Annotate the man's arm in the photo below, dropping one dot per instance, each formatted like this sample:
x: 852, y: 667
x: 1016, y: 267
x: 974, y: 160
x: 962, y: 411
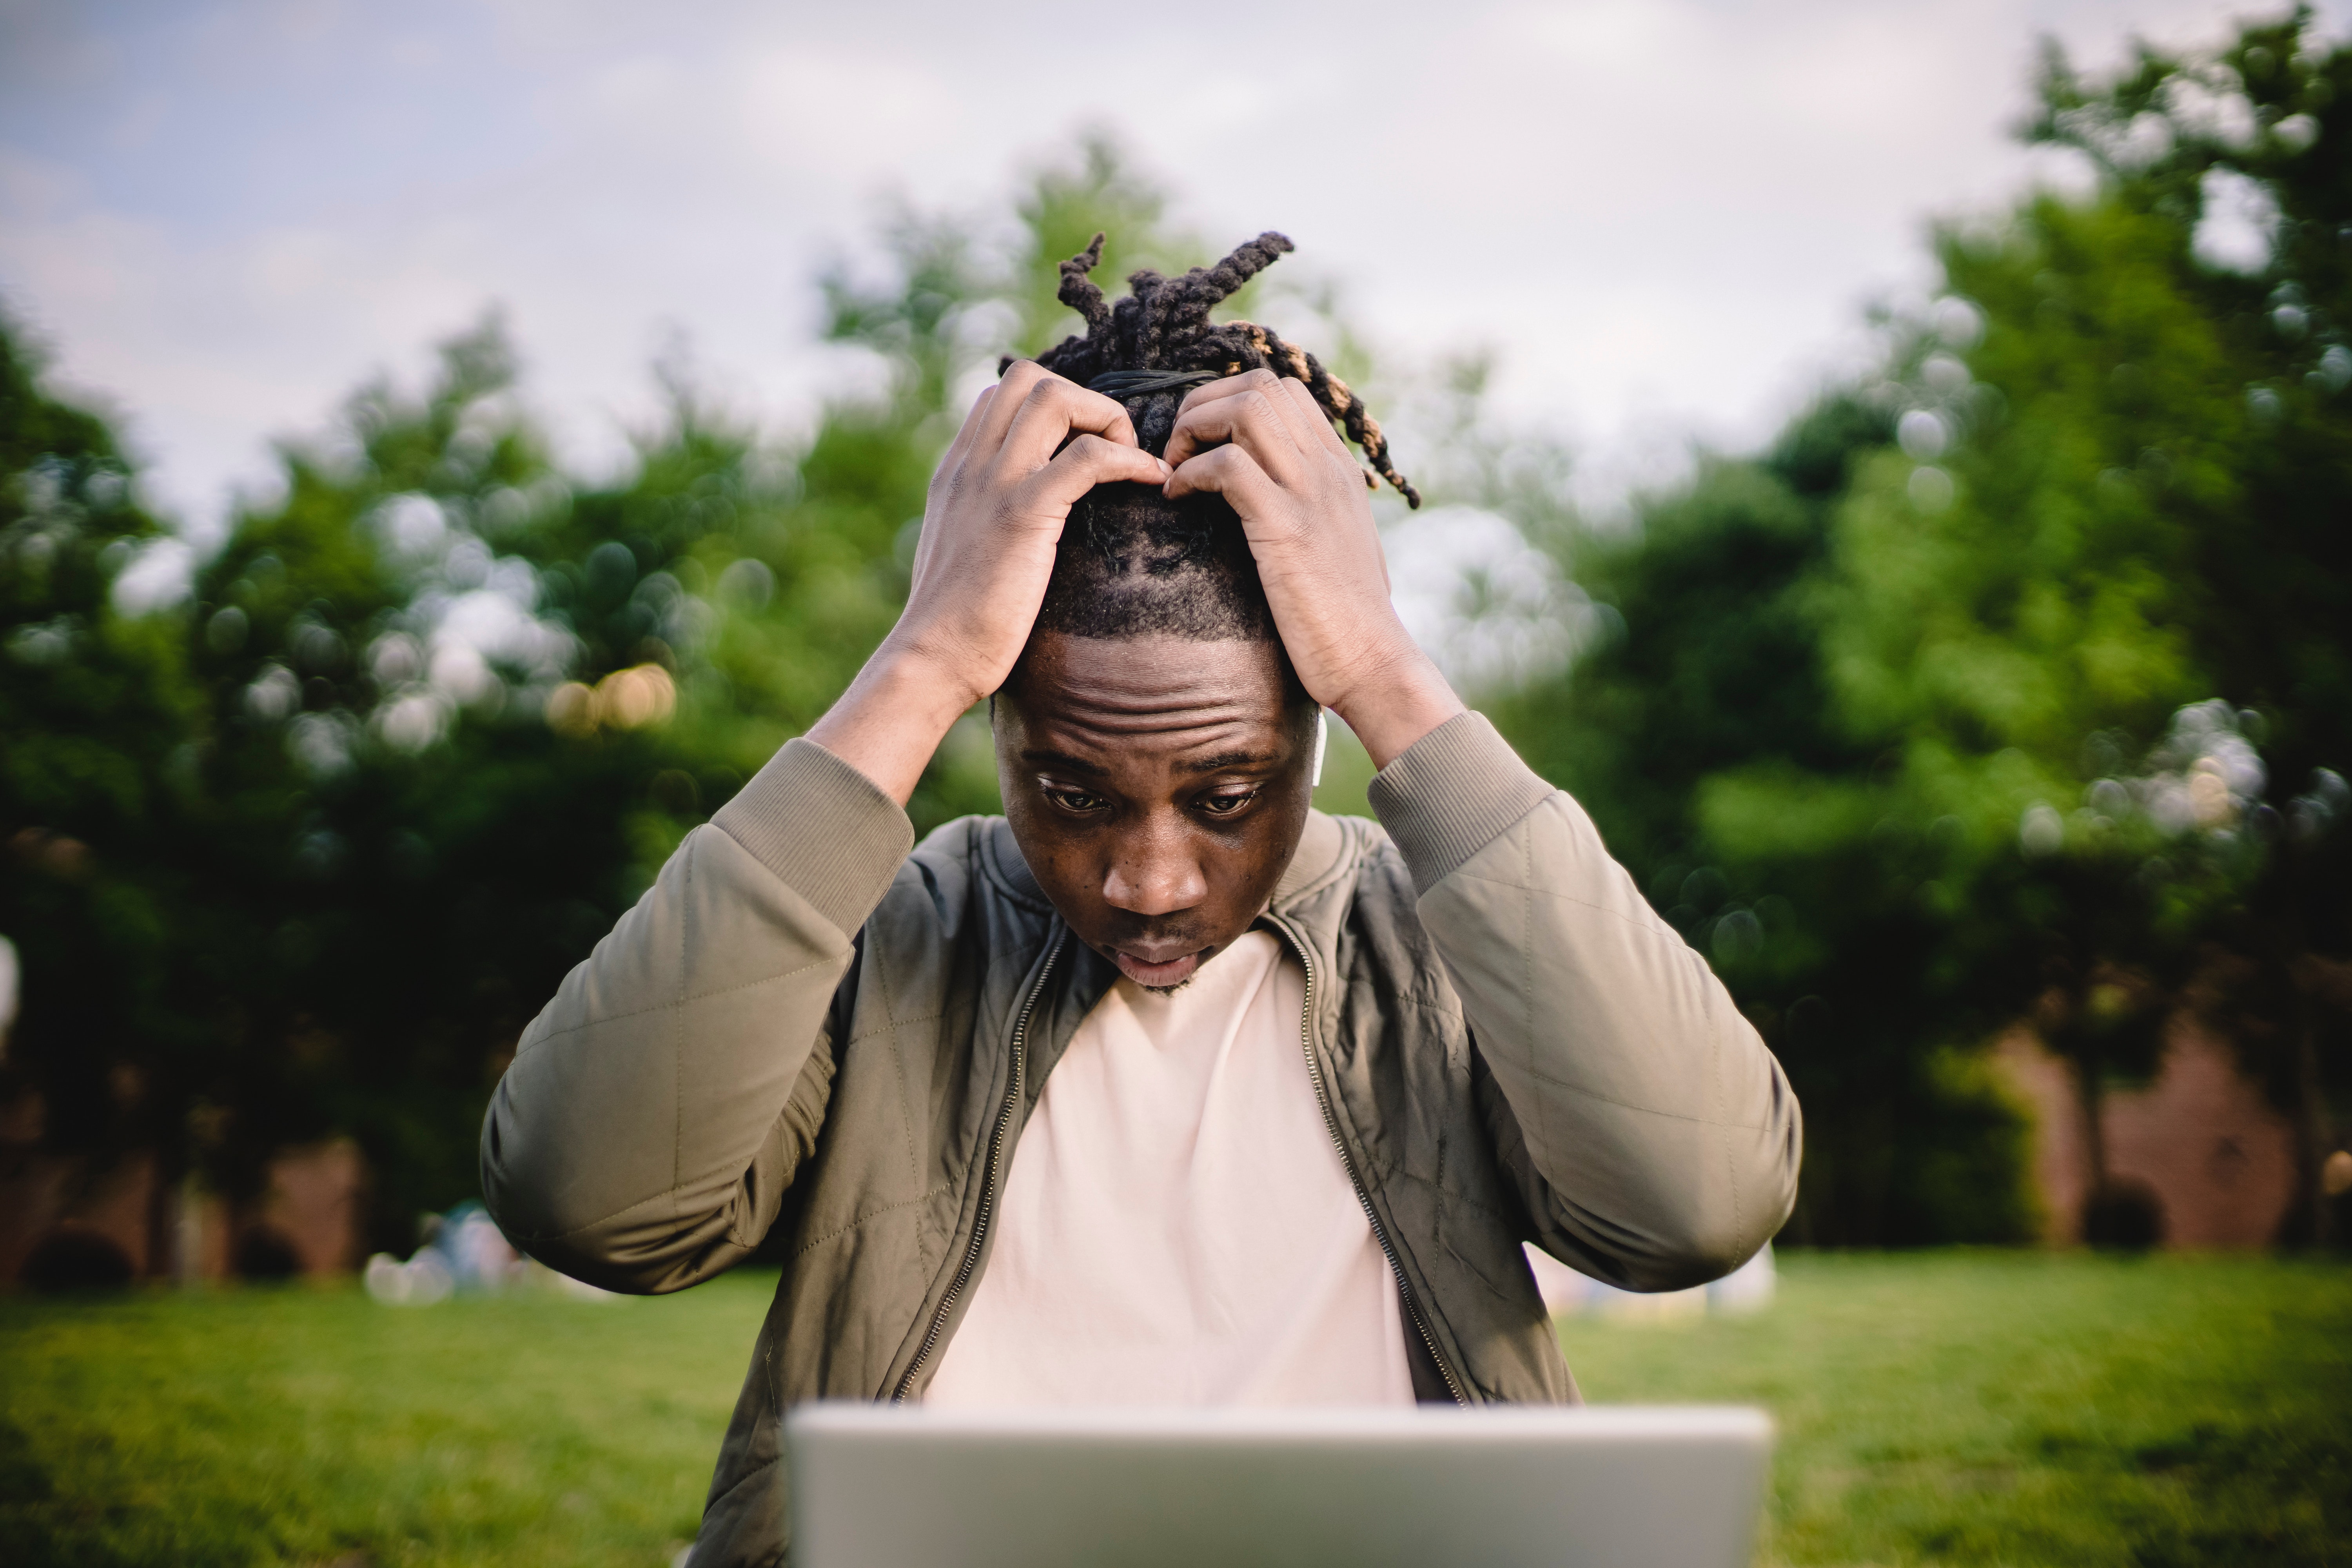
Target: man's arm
x: 1657, y: 1139
x: 658, y: 1107
x: 1658, y: 1136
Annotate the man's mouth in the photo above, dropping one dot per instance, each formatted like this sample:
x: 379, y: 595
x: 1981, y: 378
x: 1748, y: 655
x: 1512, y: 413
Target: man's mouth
x: 1165, y: 972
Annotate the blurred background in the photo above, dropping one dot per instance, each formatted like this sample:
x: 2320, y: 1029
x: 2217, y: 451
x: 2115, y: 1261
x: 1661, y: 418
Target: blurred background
x: 1892, y: 464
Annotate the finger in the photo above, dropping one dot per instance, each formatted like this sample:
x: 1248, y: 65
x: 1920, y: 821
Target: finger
x: 1301, y: 398
x: 1232, y: 473
x: 1088, y: 460
x: 1051, y: 412
x: 962, y: 442
x: 1260, y: 381
x: 1250, y: 419
x: 1009, y: 394
x: 1247, y: 413
x: 1295, y: 401
x: 1257, y: 380
x: 1318, y: 428
x: 1283, y: 392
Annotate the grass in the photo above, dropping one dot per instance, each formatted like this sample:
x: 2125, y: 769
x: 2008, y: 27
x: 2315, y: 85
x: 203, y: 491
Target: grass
x: 1949, y: 1409
x: 2021, y: 1408
x: 294, y: 1425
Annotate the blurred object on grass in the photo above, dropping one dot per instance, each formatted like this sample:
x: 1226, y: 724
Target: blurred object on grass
x: 465, y: 1253
x: 422, y: 1281
x: 1750, y: 1287
x: 2075, y: 1410
x: 2335, y: 1177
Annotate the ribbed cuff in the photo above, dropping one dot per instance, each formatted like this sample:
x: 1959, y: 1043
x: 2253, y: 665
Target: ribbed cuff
x: 1454, y: 792
x: 823, y: 827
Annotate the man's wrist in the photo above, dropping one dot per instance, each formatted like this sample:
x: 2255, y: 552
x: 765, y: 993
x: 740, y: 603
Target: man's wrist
x: 1405, y: 699
x: 893, y: 717
x: 918, y: 672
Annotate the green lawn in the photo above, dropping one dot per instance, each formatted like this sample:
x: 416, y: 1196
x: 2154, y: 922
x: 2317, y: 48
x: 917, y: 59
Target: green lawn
x: 2016, y: 1408
x: 1962, y: 1408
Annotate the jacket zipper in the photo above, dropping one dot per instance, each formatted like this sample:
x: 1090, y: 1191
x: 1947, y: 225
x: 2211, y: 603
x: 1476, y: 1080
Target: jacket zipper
x: 1331, y: 1126
x: 990, y: 1181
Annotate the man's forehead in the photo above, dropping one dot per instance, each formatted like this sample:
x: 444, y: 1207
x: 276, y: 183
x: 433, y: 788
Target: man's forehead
x: 1181, y: 695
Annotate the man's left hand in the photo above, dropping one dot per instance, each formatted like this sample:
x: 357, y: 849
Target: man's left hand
x: 1265, y: 444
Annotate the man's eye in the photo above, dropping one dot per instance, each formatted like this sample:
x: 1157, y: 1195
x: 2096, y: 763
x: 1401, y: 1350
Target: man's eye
x: 1226, y: 805
x: 1075, y: 800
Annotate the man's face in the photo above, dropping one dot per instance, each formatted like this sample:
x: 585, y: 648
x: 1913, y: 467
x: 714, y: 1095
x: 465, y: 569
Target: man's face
x: 1157, y: 788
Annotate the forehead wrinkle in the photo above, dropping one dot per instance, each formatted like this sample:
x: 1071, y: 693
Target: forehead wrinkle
x: 1155, y: 671
x: 1155, y: 715
x: 1154, y: 691
x: 1222, y: 732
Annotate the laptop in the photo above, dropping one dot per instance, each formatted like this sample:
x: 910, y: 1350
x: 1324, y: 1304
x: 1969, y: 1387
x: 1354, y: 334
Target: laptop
x: 1622, y: 1487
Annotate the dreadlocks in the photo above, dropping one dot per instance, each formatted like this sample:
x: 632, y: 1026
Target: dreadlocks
x: 1163, y: 325
x: 1132, y: 563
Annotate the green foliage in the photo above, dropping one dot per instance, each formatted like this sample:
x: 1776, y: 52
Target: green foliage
x: 2252, y: 467
x: 2002, y: 686
x: 303, y: 856
x: 2139, y: 510
x: 401, y: 856
x: 92, y: 704
x: 1949, y: 708
x: 1705, y: 744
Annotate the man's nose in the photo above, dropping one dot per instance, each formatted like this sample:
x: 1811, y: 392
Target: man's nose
x: 1154, y: 872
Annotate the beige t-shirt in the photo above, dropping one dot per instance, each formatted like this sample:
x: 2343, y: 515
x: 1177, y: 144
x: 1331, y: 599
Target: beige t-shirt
x: 1177, y: 1227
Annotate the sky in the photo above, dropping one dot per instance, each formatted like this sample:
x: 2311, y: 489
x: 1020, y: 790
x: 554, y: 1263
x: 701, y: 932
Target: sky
x: 1667, y: 218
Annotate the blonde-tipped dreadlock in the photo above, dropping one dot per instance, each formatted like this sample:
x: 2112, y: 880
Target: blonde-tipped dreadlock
x: 1163, y: 326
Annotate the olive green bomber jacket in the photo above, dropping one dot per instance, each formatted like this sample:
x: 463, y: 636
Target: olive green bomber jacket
x: 802, y: 1024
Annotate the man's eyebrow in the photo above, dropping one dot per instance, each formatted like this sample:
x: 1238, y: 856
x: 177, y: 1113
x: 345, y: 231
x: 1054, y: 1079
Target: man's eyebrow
x: 1225, y: 759
x: 1063, y: 760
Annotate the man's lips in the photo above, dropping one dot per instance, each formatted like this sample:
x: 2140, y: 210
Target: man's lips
x: 1169, y: 972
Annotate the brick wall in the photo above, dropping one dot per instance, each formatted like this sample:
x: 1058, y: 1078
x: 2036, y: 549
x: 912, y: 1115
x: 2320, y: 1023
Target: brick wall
x: 312, y: 1205
x: 2201, y: 1139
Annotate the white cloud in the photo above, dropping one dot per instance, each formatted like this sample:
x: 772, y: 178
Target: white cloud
x: 2236, y: 228
x: 158, y: 575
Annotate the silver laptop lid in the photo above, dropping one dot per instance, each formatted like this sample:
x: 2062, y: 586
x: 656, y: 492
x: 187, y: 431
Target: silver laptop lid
x: 883, y: 1487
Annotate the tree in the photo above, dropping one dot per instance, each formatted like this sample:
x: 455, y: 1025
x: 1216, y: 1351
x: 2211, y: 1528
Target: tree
x: 1714, y: 692
x: 303, y: 854
x: 1972, y: 727
x: 2257, y: 135
x: 96, y: 707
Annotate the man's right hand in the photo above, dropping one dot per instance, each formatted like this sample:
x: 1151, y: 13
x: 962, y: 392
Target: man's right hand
x: 1032, y: 446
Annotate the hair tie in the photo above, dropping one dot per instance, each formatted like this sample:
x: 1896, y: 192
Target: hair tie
x: 1127, y: 383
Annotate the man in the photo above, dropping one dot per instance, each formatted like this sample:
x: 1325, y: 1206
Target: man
x: 1163, y: 1088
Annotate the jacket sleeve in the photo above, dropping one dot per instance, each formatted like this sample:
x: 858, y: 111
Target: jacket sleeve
x: 657, y: 1109
x: 1657, y: 1138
